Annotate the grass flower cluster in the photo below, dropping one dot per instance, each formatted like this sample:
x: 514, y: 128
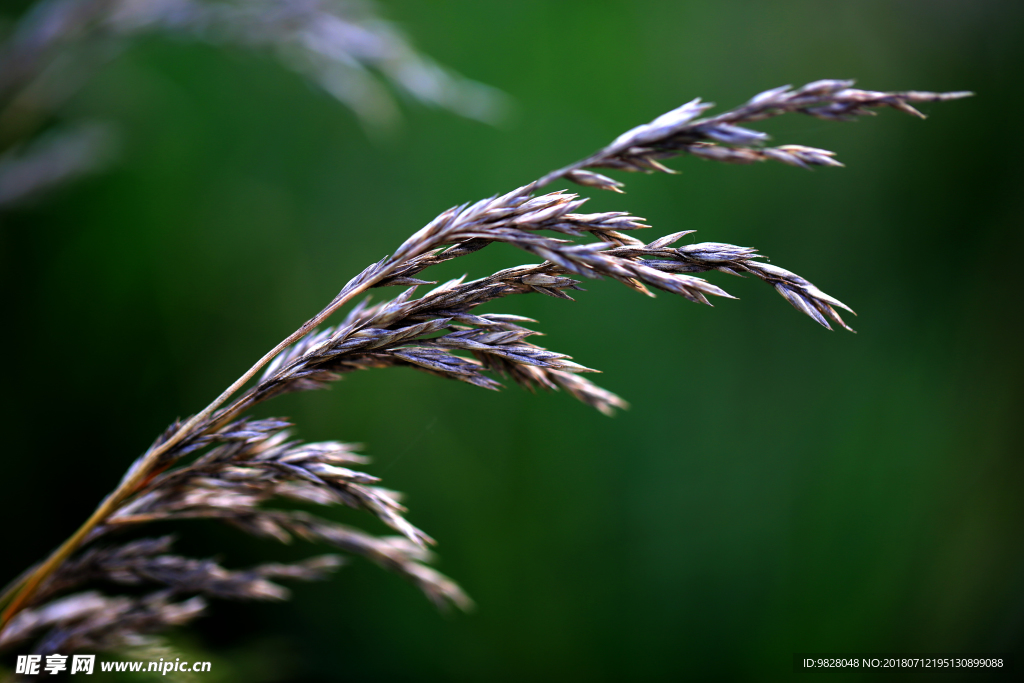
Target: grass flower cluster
x: 222, y: 464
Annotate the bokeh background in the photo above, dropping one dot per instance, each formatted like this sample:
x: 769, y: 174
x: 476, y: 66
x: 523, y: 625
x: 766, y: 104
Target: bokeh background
x: 775, y: 488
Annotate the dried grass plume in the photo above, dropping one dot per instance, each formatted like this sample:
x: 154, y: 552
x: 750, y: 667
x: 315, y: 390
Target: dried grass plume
x: 221, y: 464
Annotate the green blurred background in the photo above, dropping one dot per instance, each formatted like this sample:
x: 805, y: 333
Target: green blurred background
x: 775, y: 487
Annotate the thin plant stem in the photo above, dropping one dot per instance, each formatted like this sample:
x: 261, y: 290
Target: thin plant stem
x: 21, y: 592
